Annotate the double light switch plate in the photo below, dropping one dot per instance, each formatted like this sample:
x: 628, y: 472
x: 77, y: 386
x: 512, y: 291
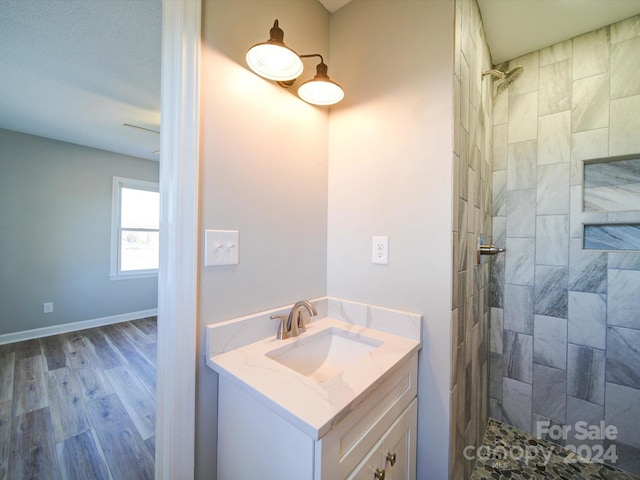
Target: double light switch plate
x: 221, y: 247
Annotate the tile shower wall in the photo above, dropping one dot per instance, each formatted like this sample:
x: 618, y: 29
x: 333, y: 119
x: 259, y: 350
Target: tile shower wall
x: 472, y: 217
x: 565, y: 331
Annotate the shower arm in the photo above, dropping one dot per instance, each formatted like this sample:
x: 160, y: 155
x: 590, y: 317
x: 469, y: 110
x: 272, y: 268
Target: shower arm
x: 495, y: 73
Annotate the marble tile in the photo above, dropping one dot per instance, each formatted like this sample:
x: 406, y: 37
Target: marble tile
x: 586, y: 413
x: 517, y: 356
x: 519, y: 261
x: 499, y: 192
x: 523, y: 116
x: 471, y: 200
x: 625, y: 125
x: 625, y: 29
x: 501, y: 113
x: 612, y: 173
x: 495, y: 409
x: 552, y: 240
x: 591, y: 53
x: 496, y: 284
x: 613, y: 198
x: 540, y: 426
x: 555, y: 88
x: 521, y: 165
x: 550, y: 342
x: 516, y: 403
x: 495, y: 375
x: 587, y: 319
x: 628, y: 457
x: 553, y: 189
x: 585, y: 373
x: 579, y: 410
x: 463, y: 174
x: 556, y: 53
x: 495, y: 339
x: 551, y: 291
x: 499, y: 235
x: 622, y: 409
x: 456, y: 114
x: 549, y: 392
x: 554, y: 138
x: 518, y: 308
x: 521, y: 213
x: 625, y: 74
x: 588, y: 269
x: 624, y: 260
x: 464, y: 94
x: 528, y: 82
x: 623, y: 356
x: 575, y: 212
x: 462, y: 249
x: 585, y: 146
x: 612, y: 237
x: 590, y: 103
x: 623, y: 305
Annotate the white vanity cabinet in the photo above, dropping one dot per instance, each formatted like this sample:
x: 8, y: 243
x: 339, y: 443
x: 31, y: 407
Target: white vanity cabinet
x: 393, y: 457
x: 254, y: 441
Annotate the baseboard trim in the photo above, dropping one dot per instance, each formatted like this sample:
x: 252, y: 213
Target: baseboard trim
x: 75, y: 326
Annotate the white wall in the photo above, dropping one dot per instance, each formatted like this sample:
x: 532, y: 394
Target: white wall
x: 55, y: 212
x: 263, y: 172
x: 390, y: 173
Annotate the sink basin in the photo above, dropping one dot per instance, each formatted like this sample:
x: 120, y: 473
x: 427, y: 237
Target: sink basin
x: 324, y: 354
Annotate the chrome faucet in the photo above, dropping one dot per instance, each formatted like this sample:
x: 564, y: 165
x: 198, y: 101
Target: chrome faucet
x: 295, y: 326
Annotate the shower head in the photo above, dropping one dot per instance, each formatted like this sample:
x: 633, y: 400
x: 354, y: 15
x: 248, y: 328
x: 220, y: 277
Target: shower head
x: 507, y: 77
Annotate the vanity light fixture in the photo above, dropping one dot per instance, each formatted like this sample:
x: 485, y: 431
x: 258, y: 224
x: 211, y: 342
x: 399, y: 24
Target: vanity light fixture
x: 273, y: 60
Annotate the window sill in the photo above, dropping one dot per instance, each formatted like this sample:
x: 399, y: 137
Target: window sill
x: 132, y: 276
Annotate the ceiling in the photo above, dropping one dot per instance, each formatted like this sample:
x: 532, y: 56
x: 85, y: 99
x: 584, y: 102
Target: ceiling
x: 516, y: 27
x: 77, y: 70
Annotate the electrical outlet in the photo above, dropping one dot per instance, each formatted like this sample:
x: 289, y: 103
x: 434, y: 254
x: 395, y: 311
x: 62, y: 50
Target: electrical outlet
x: 47, y: 307
x: 380, y: 250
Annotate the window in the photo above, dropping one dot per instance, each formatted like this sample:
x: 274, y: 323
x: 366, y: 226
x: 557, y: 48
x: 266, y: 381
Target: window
x: 135, y: 228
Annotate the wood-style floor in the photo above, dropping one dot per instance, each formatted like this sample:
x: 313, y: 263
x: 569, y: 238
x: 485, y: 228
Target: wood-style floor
x: 80, y: 405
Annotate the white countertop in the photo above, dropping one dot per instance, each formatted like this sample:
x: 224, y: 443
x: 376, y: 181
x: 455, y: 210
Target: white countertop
x: 311, y: 406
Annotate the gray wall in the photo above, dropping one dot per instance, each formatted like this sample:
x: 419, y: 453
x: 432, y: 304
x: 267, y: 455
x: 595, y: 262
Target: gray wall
x: 55, y: 213
x: 308, y: 187
x: 390, y: 173
x: 263, y: 172
x: 565, y: 320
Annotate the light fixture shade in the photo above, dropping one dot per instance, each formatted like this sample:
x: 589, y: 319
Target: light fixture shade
x: 321, y: 90
x: 273, y: 59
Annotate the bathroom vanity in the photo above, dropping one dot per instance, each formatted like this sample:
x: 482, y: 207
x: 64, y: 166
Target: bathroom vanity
x: 339, y: 401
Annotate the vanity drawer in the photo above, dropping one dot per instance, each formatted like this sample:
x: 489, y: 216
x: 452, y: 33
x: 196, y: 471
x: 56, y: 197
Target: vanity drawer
x: 347, y: 443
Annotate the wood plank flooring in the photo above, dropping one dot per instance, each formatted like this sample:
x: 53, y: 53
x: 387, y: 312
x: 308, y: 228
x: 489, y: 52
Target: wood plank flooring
x: 80, y: 405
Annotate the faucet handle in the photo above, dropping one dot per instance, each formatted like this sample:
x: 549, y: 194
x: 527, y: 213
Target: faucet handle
x: 282, y: 329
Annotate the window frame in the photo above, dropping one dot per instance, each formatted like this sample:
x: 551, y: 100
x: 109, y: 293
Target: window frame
x: 116, y: 202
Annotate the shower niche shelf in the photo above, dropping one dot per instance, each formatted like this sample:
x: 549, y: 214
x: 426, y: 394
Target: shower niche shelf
x: 611, y: 203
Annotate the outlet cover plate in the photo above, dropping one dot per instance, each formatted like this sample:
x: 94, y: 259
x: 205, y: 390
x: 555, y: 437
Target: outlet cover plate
x: 380, y: 250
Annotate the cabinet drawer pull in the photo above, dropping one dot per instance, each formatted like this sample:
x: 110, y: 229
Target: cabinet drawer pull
x: 379, y: 475
x: 391, y: 458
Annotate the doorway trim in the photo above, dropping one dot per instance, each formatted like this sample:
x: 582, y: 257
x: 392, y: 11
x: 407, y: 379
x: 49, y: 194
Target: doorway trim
x: 178, y: 274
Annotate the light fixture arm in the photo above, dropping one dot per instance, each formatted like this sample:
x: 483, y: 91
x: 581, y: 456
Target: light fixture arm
x: 321, y: 70
x: 313, y: 55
